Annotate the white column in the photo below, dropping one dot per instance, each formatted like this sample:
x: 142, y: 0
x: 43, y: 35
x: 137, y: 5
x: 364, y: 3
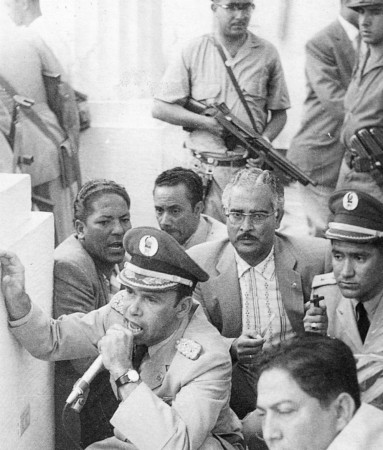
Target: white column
x: 26, y: 384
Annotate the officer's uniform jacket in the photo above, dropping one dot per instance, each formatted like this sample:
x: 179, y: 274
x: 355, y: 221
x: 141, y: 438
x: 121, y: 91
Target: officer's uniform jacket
x: 341, y: 317
x: 342, y: 325
x: 181, y: 404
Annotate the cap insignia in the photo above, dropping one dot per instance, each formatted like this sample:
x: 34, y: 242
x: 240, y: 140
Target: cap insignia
x: 188, y: 348
x: 148, y: 245
x: 350, y: 201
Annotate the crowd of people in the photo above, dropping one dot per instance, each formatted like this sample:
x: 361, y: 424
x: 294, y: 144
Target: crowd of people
x: 216, y: 330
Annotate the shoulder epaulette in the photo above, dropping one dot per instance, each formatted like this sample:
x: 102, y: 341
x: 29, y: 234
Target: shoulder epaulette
x: 118, y: 302
x: 324, y: 279
x: 188, y: 348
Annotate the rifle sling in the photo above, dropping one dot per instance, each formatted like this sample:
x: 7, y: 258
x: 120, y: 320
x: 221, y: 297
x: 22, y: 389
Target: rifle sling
x: 32, y: 115
x: 234, y: 81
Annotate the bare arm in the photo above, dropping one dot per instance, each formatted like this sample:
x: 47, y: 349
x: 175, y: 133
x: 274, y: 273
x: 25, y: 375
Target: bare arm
x: 177, y: 115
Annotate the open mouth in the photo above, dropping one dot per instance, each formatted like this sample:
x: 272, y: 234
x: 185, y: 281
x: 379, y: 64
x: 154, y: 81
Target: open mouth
x: 134, y: 328
x: 116, y: 245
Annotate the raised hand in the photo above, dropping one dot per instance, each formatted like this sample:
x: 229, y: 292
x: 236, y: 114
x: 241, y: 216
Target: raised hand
x: 13, y: 285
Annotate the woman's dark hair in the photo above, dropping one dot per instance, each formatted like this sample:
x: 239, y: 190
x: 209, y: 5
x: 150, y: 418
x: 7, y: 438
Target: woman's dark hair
x: 323, y: 367
x: 91, y: 191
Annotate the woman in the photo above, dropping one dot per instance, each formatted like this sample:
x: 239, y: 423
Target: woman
x: 84, y: 280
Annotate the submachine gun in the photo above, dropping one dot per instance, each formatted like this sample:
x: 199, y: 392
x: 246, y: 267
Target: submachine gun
x: 239, y: 133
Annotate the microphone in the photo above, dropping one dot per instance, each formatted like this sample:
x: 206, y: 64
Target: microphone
x: 83, y: 383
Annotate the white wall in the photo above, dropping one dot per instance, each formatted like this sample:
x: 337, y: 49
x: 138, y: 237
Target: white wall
x: 26, y: 384
x: 121, y: 48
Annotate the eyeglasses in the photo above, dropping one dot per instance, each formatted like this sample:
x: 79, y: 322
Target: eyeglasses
x: 237, y: 218
x: 246, y: 7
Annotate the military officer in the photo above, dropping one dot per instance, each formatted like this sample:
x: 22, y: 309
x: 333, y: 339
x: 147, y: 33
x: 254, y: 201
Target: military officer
x: 352, y: 305
x: 180, y: 390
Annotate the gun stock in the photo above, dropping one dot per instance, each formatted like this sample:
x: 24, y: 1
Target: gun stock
x: 252, y: 141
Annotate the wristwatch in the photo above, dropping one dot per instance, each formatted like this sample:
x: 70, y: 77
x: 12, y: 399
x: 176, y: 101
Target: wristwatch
x: 131, y: 376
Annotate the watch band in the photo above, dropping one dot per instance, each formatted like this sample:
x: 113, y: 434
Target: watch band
x: 131, y: 376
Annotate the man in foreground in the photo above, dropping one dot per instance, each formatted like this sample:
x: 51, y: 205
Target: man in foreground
x: 308, y: 398
x: 178, y: 202
x: 259, y: 278
x: 177, y: 397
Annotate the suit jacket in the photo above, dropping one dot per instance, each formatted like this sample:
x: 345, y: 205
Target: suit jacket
x: 181, y: 402
x: 296, y: 261
x: 316, y: 148
x: 79, y: 287
x: 363, y: 432
x: 209, y: 229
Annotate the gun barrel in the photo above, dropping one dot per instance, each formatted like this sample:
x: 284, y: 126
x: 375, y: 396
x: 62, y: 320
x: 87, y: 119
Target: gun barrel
x: 288, y: 168
x: 250, y: 139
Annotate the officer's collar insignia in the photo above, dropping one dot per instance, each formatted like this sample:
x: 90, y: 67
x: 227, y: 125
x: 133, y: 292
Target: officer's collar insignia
x: 148, y: 245
x: 118, y: 302
x: 188, y: 348
x: 350, y: 201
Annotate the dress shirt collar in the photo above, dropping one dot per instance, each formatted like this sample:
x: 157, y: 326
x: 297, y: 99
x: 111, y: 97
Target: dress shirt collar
x: 266, y: 268
x: 155, y: 348
x: 199, y: 236
x: 351, y: 30
x: 370, y: 306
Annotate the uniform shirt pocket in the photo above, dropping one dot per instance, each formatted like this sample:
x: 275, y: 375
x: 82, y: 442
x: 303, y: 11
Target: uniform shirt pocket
x: 206, y: 91
x: 257, y: 86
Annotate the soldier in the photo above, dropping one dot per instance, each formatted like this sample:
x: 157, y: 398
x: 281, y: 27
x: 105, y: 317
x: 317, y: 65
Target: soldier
x: 364, y: 107
x: 180, y: 390
x: 259, y: 98
x: 353, y: 293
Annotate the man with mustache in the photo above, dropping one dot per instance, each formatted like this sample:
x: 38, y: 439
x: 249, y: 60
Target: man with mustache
x: 176, y: 396
x: 259, y: 278
x: 178, y: 202
x: 364, y: 106
x: 351, y: 308
x: 199, y: 72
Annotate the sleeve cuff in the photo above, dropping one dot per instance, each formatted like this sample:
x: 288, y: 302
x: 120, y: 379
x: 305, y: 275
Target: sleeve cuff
x: 23, y: 320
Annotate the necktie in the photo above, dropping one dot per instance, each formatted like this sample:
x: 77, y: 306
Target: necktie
x: 138, y: 355
x: 362, y: 320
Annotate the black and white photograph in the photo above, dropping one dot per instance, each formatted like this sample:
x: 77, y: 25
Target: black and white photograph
x: 191, y: 224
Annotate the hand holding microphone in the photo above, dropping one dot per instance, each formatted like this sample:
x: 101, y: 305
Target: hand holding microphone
x: 116, y: 349
x: 82, y: 385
